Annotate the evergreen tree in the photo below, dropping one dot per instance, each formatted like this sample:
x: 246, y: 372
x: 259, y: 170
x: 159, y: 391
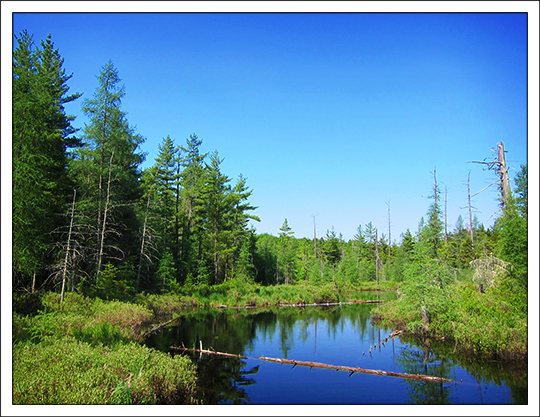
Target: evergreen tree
x: 521, y: 194
x: 434, y: 228
x: 218, y: 206
x: 286, y: 255
x: 242, y: 234
x: 332, y: 251
x: 167, y: 184
x: 107, y: 170
x: 192, y: 181
x: 42, y: 137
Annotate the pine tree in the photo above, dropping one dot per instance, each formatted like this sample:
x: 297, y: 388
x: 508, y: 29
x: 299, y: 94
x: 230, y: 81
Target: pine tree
x: 107, y: 172
x: 192, y: 180
x: 433, y: 230
x: 218, y: 205
x: 285, y: 258
x: 42, y: 137
x: 332, y: 251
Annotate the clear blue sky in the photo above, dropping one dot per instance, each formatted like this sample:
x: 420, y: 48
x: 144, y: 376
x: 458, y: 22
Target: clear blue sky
x: 332, y: 115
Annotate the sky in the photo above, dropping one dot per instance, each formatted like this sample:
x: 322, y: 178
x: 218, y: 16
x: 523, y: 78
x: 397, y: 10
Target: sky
x: 333, y: 118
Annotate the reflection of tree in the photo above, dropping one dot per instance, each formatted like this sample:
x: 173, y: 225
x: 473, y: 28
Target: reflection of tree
x: 498, y: 372
x: 221, y: 379
x: 415, y: 360
x: 224, y: 380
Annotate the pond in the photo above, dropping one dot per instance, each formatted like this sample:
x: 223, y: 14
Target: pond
x: 336, y: 335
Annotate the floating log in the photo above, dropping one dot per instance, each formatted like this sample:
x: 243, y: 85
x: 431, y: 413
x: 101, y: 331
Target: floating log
x: 322, y: 304
x: 349, y: 369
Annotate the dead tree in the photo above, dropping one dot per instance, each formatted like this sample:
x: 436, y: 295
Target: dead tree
x: 499, y: 166
x: 470, y: 208
x: 68, y: 249
x: 105, y: 213
x: 377, y: 256
x: 143, y: 240
x: 445, y: 214
x: 389, y: 233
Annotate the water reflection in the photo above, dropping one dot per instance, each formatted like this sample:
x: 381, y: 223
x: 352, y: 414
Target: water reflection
x: 337, y: 335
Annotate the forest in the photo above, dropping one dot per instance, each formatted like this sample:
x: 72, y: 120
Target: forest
x: 87, y: 218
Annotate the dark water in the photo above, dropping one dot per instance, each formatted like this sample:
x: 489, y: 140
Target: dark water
x: 337, y: 335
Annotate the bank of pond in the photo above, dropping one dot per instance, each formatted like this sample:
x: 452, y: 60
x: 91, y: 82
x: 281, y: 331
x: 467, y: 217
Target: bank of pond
x: 275, y: 342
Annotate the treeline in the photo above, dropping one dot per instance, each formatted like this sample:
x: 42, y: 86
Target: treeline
x: 87, y: 218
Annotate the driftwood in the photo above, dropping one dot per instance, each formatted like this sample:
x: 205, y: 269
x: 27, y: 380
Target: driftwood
x: 349, y: 369
x: 322, y: 304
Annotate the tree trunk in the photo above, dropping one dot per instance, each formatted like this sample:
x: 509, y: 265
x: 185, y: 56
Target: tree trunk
x: 349, y: 369
x: 64, y: 271
x: 141, y: 254
x: 470, y: 209
x: 503, y: 172
x: 105, y: 212
x: 377, y: 255
x: 425, y: 318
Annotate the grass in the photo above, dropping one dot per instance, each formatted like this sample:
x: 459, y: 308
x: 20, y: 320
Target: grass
x: 241, y: 294
x: 67, y: 371
x: 84, y: 351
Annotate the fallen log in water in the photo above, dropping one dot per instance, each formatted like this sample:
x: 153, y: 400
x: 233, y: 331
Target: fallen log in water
x: 321, y: 304
x: 349, y: 369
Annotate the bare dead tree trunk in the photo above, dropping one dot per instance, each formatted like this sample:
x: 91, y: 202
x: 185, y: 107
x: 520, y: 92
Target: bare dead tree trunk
x: 314, y: 235
x: 64, y: 271
x: 141, y: 254
x: 436, y: 201
x: 445, y: 214
x: 503, y: 172
x: 470, y: 208
x: 377, y: 256
x: 500, y: 167
x: 389, y: 233
x: 105, y: 212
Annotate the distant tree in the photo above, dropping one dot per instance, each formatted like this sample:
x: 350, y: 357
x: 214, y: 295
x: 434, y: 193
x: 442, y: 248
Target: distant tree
x: 332, y: 251
x: 286, y: 253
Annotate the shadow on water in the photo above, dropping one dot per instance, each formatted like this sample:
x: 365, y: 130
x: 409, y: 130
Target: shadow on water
x: 338, y: 335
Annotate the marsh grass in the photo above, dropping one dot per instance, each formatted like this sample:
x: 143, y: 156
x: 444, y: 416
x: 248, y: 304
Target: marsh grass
x: 83, y: 351
x: 67, y: 371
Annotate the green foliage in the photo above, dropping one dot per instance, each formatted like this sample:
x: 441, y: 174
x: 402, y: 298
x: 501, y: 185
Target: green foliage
x: 72, y: 372
x: 513, y: 243
x: 109, y: 287
x: 42, y: 136
x: 521, y: 191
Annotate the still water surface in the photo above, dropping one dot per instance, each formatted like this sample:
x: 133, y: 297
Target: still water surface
x: 337, y: 335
